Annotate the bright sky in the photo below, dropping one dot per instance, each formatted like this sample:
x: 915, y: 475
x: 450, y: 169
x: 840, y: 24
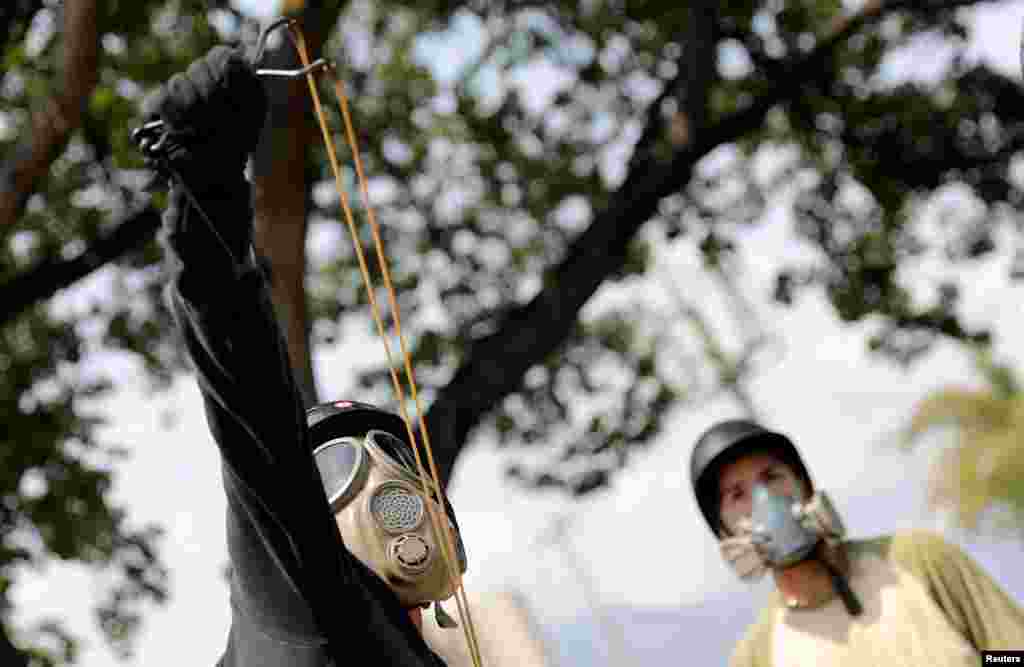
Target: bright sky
x: 642, y: 539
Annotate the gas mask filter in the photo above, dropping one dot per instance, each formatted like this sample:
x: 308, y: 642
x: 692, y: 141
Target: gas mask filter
x: 385, y: 518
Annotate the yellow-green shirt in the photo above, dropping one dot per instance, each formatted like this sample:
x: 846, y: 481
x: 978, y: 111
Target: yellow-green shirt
x: 926, y: 602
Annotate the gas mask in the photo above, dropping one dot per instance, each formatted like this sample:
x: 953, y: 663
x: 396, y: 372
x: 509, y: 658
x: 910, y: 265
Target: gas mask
x: 780, y: 532
x: 384, y: 517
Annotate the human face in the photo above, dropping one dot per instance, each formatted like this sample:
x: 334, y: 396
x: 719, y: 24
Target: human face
x: 737, y: 480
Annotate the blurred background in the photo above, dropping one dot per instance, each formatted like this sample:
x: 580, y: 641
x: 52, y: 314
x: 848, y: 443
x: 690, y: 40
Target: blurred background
x: 611, y: 223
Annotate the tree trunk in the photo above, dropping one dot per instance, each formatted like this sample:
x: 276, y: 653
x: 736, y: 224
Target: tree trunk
x: 281, y: 185
x: 61, y: 115
x: 46, y: 277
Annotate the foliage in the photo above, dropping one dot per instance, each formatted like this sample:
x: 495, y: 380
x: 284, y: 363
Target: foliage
x: 485, y: 180
x: 984, y: 469
x: 56, y: 473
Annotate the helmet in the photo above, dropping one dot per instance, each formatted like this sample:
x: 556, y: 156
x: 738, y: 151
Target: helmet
x: 340, y: 418
x: 726, y: 442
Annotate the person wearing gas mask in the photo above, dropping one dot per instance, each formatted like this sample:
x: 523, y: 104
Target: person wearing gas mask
x: 901, y: 600
x: 332, y: 548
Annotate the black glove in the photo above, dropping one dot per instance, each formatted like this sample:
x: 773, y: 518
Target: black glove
x: 213, y: 114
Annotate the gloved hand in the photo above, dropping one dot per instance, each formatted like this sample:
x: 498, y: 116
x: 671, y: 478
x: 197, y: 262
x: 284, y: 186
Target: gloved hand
x: 213, y: 112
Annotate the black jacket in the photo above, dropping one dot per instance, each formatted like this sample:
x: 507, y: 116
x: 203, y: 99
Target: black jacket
x: 298, y: 597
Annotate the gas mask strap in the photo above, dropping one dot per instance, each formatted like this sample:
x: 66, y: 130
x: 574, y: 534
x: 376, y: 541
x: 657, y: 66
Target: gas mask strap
x: 842, y: 588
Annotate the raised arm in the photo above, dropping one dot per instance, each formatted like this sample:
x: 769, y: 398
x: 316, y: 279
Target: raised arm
x: 281, y: 535
x: 293, y: 582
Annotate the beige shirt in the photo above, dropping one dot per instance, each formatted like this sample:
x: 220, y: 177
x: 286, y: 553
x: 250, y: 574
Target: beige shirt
x: 925, y: 603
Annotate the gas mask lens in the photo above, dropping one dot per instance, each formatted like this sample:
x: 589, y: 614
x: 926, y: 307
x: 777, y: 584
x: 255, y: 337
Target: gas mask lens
x: 396, y: 451
x: 342, y: 465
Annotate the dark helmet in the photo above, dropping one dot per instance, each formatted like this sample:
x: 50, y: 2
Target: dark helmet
x: 337, y: 419
x: 726, y: 442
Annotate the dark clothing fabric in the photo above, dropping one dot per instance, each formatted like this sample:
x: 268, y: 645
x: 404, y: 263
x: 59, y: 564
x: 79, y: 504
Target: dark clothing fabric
x: 213, y: 114
x: 298, y: 597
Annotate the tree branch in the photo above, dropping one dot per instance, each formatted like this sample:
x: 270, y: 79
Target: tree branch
x: 690, y: 88
x: 495, y: 365
x: 50, y: 275
x: 21, y: 175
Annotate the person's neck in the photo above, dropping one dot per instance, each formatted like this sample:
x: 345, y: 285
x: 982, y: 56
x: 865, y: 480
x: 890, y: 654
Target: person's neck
x: 808, y: 584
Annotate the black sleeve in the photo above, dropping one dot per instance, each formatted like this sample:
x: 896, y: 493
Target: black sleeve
x: 292, y: 578
x: 276, y: 511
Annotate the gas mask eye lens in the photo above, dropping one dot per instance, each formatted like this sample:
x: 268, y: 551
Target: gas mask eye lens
x: 396, y: 449
x: 396, y: 509
x: 342, y: 466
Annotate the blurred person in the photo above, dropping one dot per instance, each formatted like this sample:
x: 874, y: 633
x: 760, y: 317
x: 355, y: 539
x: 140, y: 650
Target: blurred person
x: 901, y: 600
x: 332, y: 552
